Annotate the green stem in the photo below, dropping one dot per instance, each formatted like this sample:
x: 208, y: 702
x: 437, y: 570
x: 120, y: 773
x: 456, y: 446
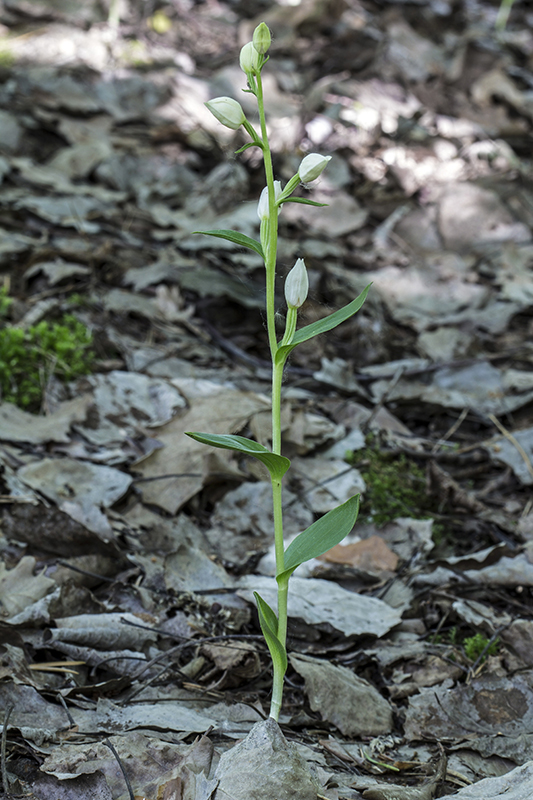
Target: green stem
x: 278, y: 525
x: 503, y: 14
x: 272, y: 229
x: 269, y: 231
x: 277, y: 376
x: 283, y: 593
x: 279, y: 672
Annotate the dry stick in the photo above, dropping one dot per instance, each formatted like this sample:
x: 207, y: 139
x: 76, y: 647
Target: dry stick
x: 189, y: 641
x: 5, y: 779
x: 12, y: 499
x: 122, y: 769
x: 167, y: 653
x: 508, y: 435
x: 84, y: 571
x: 439, y: 626
x: 527, y: 508
x: 253, y: 361
x: 456, y: 425
x: 70, y: 718
x: 145, y: 685
x: 234, y: 350
x: 475, y: 666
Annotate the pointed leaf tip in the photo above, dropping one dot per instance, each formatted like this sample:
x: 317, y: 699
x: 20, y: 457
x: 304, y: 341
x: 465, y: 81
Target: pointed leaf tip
x: 277, y: 465
x: 321, y: 536
x: 322, y: 325
x: 237, y: 238
x: 269, y: 627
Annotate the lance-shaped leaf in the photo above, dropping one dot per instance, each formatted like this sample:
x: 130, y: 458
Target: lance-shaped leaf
x: 321, y: 536
x: 322, y: 325
x: 237, y: 238
x: 276, y: 465
x: 269, y: 627
x: 304, y: 200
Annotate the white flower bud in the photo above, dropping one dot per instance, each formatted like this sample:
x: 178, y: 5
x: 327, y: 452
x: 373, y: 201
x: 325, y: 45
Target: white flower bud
x: 311, y: 167
x: 249, y: 58
x: 262, y: 38
x: 296, y: 285
x: 228, y: 111
x: 262, y: 206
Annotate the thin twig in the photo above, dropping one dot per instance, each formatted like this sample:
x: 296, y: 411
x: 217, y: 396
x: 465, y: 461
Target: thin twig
x: 122, y: 769
x: 167, y: 653
x: 84, y: 571
x: 169, y: 475
x: 508, y: 435
x: 188, y: 641
x: 456, y: 425
x: 259, y: 363
x: 475, y: 666
x: 66, y: 709
x: 5, y: 779
x: 145, y: 685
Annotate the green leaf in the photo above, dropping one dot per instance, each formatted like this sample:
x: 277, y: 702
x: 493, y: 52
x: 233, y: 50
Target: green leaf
x: 269, y: 626
x: 304, y: 201
x: 276, y: 465
x: 241, y: 149
x: 321, y: 536
x: 237, y: 238
x: 267, y: 614
x: 322, y: 325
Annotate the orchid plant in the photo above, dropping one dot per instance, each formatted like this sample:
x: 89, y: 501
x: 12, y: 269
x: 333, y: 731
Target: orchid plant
x: 330, y: 529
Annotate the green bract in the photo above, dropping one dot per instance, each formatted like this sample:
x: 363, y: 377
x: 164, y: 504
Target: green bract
x: 330, y: 529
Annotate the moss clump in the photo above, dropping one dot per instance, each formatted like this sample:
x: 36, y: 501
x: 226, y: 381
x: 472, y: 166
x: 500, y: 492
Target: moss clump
x: 28, y: 358
x: 396, y: 485
x: 474, y: 646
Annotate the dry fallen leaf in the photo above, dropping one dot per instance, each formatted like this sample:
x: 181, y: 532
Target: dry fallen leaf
x: 371, y: 554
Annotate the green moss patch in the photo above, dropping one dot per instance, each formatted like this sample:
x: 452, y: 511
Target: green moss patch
x: 396, y: 485
x: 29, y: 357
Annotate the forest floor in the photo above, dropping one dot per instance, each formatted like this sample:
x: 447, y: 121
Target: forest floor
x: 131, y: 660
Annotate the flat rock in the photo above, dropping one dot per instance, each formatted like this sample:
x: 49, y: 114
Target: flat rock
x: 515, y: 785
x: 264, y: 766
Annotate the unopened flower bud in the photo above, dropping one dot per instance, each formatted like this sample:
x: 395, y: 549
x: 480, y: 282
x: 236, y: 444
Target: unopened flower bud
x: 228, y: 111
x: 297, y: 285
x: 262, y: 206
x: 262, y: 38
x: 249, y: 58
x: 311, y: 167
